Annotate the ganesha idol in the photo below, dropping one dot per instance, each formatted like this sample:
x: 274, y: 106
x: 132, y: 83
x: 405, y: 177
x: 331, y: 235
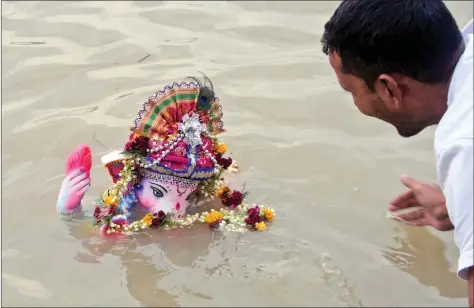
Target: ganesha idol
x: 173, y: 156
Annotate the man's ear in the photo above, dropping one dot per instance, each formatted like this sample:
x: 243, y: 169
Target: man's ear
x: 389, y: 92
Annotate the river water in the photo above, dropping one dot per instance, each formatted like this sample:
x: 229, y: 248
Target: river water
x: 77, y: 72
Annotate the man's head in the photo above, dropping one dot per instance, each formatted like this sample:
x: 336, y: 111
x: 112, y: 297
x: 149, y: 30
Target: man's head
x: 395, y: 57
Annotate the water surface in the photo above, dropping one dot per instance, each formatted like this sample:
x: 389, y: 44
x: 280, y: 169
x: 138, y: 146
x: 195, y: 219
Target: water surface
x: 77, y: 72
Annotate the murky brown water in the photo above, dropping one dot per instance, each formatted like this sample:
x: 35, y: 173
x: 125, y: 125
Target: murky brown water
x: 72, y: 70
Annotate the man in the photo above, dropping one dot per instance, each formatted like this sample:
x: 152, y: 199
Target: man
x: 406, y: 63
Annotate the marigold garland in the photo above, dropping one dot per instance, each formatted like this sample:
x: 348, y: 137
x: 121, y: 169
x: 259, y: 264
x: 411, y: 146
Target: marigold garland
x: 111, y: 209
x: 235, y: 220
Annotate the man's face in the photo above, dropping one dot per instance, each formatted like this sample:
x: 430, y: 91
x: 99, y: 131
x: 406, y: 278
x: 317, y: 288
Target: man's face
x: 386, y: 103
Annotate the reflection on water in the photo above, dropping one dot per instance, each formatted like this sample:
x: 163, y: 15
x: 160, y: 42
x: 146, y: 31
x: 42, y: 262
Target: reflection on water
x: 421, y: 254
x: 147, y: 258
x: 76, y: 72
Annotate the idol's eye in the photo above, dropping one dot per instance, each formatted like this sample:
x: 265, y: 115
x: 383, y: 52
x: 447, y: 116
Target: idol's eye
x: 157, y: 192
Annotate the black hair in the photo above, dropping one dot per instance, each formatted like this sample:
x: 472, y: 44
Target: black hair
x: 417, y: 38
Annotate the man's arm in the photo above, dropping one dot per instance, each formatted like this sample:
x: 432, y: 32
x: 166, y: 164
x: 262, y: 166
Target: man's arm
x: 456, y: 164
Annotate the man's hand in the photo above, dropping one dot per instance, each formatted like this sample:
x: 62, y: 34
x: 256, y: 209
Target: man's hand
x: 429, y: 201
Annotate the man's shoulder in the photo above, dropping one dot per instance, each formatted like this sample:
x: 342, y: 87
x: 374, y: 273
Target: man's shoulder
x: 457, y: 122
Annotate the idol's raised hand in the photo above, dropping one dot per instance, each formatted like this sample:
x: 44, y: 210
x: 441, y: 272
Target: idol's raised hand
x: 72, y: 191
x: 77, y: 181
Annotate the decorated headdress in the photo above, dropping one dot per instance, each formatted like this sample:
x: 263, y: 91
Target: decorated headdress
x: 180, y: 121
x: 174, y: 140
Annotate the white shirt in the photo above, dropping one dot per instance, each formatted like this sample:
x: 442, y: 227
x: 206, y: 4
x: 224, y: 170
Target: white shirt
x: 454, y: 156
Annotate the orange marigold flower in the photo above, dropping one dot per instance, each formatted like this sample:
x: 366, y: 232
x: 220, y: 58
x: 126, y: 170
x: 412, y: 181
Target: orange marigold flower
x: 213, y: 216
x: 260, y: 226
x: 220, y: 148
x: 223, y: 191
x: 147, y: 219
x: 111, y: 200
x: 269, y: 214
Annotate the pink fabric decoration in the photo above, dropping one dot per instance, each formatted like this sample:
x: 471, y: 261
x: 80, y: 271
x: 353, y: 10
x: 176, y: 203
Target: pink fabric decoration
x: 178, y: 159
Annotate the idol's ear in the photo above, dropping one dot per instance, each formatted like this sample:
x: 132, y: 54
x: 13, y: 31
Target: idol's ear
x: 113, y: 162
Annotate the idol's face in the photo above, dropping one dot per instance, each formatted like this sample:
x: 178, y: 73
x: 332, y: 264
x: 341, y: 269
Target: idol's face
x: 158, y: 196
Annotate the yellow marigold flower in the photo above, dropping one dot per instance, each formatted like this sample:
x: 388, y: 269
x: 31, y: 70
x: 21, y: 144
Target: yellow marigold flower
x: 147, y: 219
x: 111, y: 200
x: 269, y: 214
x: 260, y: 226
x: 220, y: 148
x: 223, y: 191
x: 213, y: 216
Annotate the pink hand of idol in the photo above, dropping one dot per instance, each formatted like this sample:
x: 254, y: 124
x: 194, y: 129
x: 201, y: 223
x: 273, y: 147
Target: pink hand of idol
x: 73, y: 189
